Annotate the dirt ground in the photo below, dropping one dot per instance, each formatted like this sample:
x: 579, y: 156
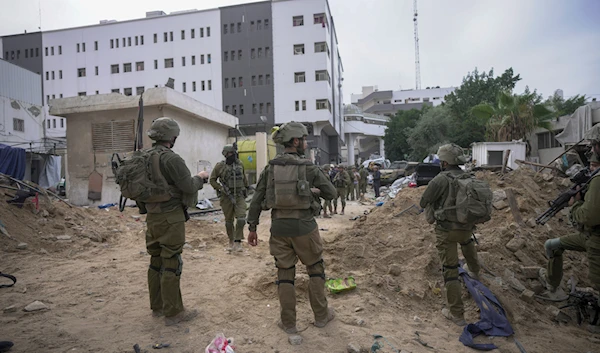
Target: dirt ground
x: 95, y: 286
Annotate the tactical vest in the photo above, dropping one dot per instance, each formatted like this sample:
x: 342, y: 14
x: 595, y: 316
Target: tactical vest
x: 233, y: 176
x: 339, y: 181
x: 288, y: 190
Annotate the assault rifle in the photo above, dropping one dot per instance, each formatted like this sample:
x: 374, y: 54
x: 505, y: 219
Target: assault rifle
x: 581, y: 181
x: 585, y: 304
x: 227, y: 192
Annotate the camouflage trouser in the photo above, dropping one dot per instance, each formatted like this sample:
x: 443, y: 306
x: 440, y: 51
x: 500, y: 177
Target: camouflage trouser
x: 165, y: 237
x: 237, y: 213
x: 341, y: 194
x: 363, y: 187
x: 309, y: 249
x: 576, y: 242
x: 446, y: 244
x: 350, y: 192
x: 327, y: 206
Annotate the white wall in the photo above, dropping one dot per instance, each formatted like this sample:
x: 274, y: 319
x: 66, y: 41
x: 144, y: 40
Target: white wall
x: 285, y: 63
x: 360, y: 127
x: 104, y: 57
x: 19, y: 83
x: 33, y: 125
x: 517, y: 151
x: 435, y: 95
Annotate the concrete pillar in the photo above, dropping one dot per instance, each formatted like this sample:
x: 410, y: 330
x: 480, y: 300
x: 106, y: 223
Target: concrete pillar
x: 261, y: 152
x: 350, y: 142
x: 381, y: 147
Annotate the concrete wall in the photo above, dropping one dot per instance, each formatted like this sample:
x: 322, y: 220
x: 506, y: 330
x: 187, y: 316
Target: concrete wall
x: 481, y: 150
x: 14, y: 47
x: 247, y: 40
x: 33, y: 120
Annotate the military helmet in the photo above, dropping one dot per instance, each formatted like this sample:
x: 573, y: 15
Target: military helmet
x: 451, y: 154
x: 594, y: 159
x: 288, y: 131
x: 341, y: 166
x: 227, y: 149
x: 326, y: 167
x: 163, y: 129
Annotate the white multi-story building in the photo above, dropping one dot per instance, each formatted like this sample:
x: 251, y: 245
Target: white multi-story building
x: 266, y: 63
x: 371, y: 100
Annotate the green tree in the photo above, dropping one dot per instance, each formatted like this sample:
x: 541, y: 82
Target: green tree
x: 476, y: 88
x: 514, y: 116
x: 430, y: 132
x: 396, y: 138
x: 561, y: 107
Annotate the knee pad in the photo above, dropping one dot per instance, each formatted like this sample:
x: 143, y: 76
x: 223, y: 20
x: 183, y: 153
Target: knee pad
x: 155, y: 263
x: 241, y: 222
x: 286, y: 275
x: 316, y: 270
x: 553, y: 247
x: 174, y: 264
x: 450, y: 273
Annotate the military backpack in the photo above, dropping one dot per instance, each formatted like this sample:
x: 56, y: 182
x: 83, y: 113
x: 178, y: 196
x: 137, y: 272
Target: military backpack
x: 287, y: 185
x: 140, y: 179
x: 469, y: 200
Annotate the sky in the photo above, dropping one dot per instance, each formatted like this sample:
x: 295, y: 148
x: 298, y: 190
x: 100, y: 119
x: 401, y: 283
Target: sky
x: 552, y: 44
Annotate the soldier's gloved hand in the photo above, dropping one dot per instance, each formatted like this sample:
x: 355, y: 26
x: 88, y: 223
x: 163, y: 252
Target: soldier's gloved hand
x: 252, y: 239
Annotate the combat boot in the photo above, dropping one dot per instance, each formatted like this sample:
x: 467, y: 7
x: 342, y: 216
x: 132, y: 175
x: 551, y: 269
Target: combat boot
x: 231, y: 246
x: 595, y: 329
x: 342, y: 213
x: 237, y: 246
x: 458, y: 320
x: 288, y: 330
x: 330, y: 316
x: 550, y: 292
x: 325, y: 215
x: 186, y: 315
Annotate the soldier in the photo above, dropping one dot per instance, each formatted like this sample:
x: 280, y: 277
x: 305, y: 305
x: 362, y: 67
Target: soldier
x: 350, y: 187
x: 594, y: 162
x: 356, y: 190
x: 229, y: 180
x: 165, y: 235
x: 294, y: 231
x: 363, y: 172
x: 376, y: 180
x: 450, y: 234
x: 584, y: 213
x: 327, y: 203
x: 341, y: 182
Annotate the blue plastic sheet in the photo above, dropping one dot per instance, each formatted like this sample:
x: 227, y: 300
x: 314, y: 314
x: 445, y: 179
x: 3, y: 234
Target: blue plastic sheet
x: 493, y: 320
x: 12, y: 161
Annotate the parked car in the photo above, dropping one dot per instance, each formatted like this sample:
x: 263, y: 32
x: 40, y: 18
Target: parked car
x: 397, y: 170
x: 425, y: 172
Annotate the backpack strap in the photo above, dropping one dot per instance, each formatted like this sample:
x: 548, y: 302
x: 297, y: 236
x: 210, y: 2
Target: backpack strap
x: 12, y: 278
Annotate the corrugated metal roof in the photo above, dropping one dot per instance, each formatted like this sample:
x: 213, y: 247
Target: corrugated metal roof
x: 20, y: 84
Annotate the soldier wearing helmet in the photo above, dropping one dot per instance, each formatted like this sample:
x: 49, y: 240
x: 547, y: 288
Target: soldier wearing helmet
x: 165, y: 234
x: 450, y: 234
x: 229, y: 180
x: 327, y: 204
x: 342, y: 182
x: 290, y: 186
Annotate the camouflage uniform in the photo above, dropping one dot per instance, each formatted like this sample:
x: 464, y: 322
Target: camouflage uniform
x: 362, y: 184
x: 449, y: 234
x: 350, y: 187
x: 231, y: 174
x: 294, y: 231
x: 341, y: 182
x: 327, y: 203
x: 165, y: 234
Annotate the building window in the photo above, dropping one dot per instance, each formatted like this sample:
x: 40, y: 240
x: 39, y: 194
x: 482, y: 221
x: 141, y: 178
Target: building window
x: 231, y: 28
x: 83, y: 47
x: 323, y: 104
x: 253, y: 81
x: 18, y: 125
x: 183, y: 61
x: 241, y: 109
x: 193, y: 33
x: 209, y: 85
x: 319, y: 18
x: 54, y: 123
x: 117, y: 42
x: 299, y: 77
x: 112, y: 43
x: 239, y: 55
x: 260, y: 80
x: 241, y: 82
x: 225, y: 29
x: 234, y: 109
x: 139, y: 66
x: 297, y: 103
x: 202, y: 85
x: 51, y: 52
x: 127, y: 67
x: 266, y: 23
x: 141, y: 40
x: 97, y: 92
x: 37, y: 52
x: 260, y: 52
x: 53, y: 75
x: 267, y: 79
x: 268, y: 108
x: 226, y: 83
x: 155, y: 38
x: 60, y: 74
x: 61, y: 95
x: 202, y: 59
x: 227, y: 109
x: 303, y: 105
x: 139, y: 90
x: 208, y: 58
x: 261, y: 108
x: 53, y: 96
x: 81, y: 72
x: 59, y: 50
x: 233, y: 82
x: 96, y: 45
x: 183, y: 87
x: 233, y: 55
x: 81, y: 94
x: 548, y: 140
x: 193, y: 86
x: 155, y: 64
x: 267, y: 52
x: 114, y: 69
x: 225, y: 56
x: 127, y: 91
x: 115, y: 90
x: 201, y: 32
x: 193, y: 59
x: 48, y: 123
x: 239, y: 27
x: 47, y: 75
x: 298, y: 21
x: 259, y: 25
x: 12, y: 53
x: 182, y: 34
x: 171, y: 36
x: 252, y: 26
x: 136, y: 40
x: 78, y: 45
x: 254, y: 110
x: 62, y: 121
x: 298, y: 49
x: 322, y: 75
x: 168, y: 63
x: 26, y: 53
x: 321, y: 47
x: 165, y: 36
x: 252, y: 53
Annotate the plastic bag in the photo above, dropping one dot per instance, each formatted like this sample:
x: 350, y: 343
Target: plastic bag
x: 220, y: 344
x: 338, y: 285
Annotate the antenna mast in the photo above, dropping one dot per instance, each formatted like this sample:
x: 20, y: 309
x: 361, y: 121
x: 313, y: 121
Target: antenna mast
x: 417, y: 61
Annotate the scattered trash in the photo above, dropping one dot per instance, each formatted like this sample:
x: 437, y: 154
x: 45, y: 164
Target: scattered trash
x: 204, y: 204
x: 379, y: 204
x: 378, y: 345
x: 107, y: 205
x: 338, y: 285
x: 136, y: 348
x: 161, y: 345
x: 423, y: 343
x: 220, y: 344
x: 418, y: 209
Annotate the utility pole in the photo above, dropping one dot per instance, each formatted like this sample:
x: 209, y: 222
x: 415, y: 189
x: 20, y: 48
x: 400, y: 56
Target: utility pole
x: 417, y: 62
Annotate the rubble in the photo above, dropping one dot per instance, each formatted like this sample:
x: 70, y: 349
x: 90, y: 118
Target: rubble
x: 36, y: 306
x: 527, y: 295
x: 295, y: 340
x: 515, y: 244
x: 500, y: 205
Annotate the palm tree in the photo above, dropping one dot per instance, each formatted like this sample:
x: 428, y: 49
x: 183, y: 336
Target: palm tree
x: 513, y: 117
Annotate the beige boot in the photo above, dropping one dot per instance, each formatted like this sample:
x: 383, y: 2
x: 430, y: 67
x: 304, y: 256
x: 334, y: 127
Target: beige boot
x: 288, y: 330
x: 330, y: 316
x: 231, y: 246
x: 186, y: 315
x: 459, y: 321
x: 237, y: 246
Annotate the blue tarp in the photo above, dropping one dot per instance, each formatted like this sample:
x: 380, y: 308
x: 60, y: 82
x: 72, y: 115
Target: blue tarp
x: 493, y: 320
x: 12, y: 161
